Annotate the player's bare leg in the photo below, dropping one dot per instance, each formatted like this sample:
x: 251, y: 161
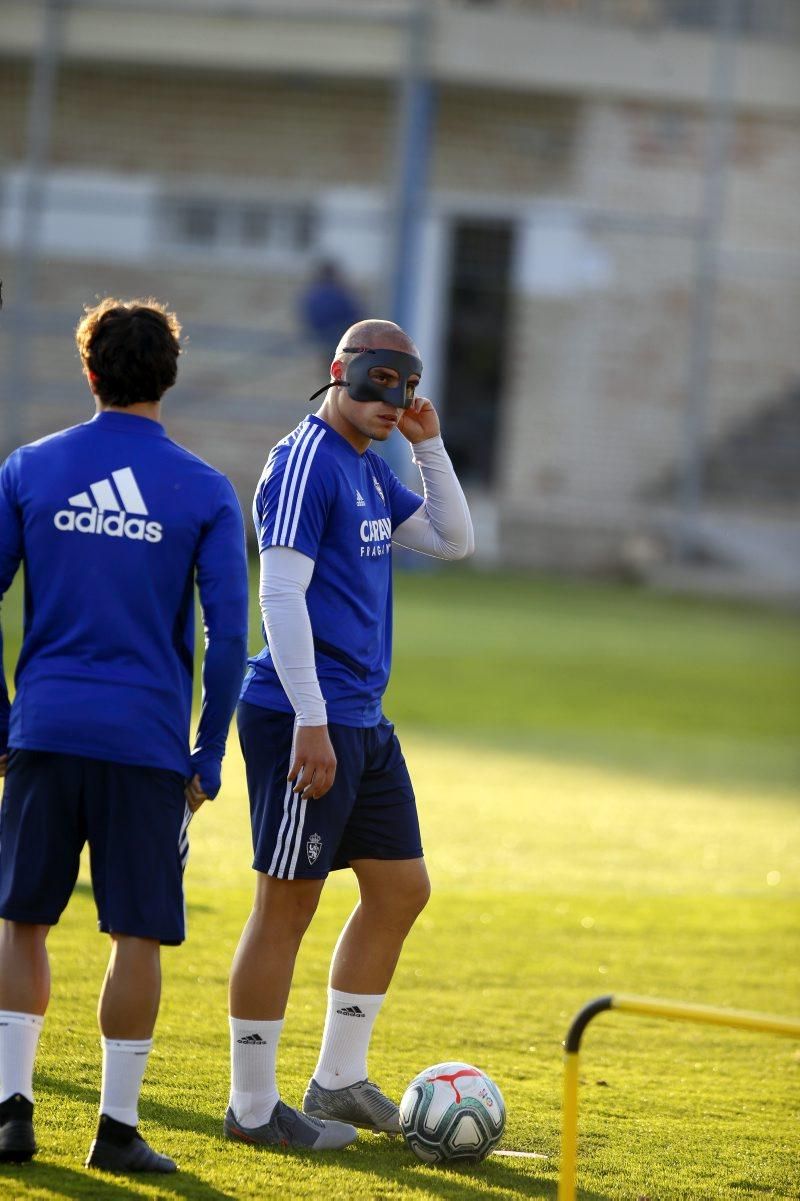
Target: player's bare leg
x: 126, y: 1014
x: 131, y: 991
x: 392, y: 895
x: 24, y: 993
x: 24, y: 967
x: 259, y: 989
x: 264, y: 961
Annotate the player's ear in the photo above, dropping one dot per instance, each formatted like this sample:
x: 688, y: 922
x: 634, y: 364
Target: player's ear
x: 337, y: 369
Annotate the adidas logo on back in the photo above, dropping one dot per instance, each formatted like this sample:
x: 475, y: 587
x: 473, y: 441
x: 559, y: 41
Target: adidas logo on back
x: 119, y: 513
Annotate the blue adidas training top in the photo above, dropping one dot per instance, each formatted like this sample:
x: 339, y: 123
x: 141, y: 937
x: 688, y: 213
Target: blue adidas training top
x: 319, y: 496
x: 114, y: 522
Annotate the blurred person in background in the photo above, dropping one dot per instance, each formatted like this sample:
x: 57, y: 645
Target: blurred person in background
x: 327, y: 307
x: 112, y: 522
x: 328, y: 784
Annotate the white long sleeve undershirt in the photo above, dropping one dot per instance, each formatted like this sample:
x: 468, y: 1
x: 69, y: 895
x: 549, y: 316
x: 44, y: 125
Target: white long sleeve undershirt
x: 441, y: 526
x: 285, y: 576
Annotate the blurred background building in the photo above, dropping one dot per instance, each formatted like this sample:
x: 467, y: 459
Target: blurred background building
x: 585, y: 211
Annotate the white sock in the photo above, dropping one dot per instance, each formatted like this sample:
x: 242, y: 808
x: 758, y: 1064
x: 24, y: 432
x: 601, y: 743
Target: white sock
x: 345, y: 1040
x: 254, y: 1089
x: 124, y: 1062
x: 19, y: 1038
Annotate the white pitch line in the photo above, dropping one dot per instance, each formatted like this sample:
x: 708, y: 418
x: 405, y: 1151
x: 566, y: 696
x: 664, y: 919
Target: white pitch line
x: 523, y: 1154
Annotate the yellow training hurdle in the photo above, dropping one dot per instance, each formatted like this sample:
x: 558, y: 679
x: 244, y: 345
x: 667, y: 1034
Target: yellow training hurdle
x: 650, y: 1007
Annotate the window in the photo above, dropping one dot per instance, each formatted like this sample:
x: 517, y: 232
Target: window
x: 198, y: 222
x: 232, y: 228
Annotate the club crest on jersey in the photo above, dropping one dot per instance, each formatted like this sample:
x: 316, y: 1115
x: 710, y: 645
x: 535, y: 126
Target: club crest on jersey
x: 118, y: 511
x: 313, y: 848
x: 378, y: 488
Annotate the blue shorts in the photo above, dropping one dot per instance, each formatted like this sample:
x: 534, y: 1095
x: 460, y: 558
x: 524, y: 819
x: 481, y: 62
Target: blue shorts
x: 135, y: 820
x: 368, y: 813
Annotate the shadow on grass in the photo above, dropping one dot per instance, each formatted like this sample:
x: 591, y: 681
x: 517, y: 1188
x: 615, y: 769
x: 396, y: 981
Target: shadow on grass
x: 86, y: 1186
x: 377, y: 1158
x: 168, y: 1116
x: 373, y: 1156
x: 390, y: 1160
x: 380, y: 1159
x: 384, y: 1160
x: 713, y: 762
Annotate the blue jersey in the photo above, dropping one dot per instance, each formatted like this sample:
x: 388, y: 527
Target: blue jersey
x: 319, y: 496
x: 113, y: 521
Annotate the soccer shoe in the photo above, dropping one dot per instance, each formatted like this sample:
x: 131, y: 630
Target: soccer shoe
x: 17, y: 1144
x: 363, y: 1104
x: 289, y: 1128
x: 121, y: 1148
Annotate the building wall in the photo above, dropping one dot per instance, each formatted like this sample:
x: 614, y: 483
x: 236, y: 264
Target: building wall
x: 603, y: 192
x: 596, y: 406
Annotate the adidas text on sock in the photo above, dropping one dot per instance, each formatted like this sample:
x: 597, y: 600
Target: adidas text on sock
x: 254, y: 1088
x: 345, y: 1040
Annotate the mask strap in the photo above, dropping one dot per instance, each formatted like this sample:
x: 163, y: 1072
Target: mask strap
x: 341, y: 383
x: 331, y: 384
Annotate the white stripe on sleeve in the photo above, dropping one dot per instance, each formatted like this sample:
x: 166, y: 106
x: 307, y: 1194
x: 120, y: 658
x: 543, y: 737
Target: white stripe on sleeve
x: 287, y: 474
x: 309, y: 460
x: 294, y: 498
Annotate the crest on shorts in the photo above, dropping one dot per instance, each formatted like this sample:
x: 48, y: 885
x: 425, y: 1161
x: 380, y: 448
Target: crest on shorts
x: 313, y: 847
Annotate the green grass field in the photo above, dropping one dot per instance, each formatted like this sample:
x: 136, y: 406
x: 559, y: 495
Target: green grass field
x: 608, y: 790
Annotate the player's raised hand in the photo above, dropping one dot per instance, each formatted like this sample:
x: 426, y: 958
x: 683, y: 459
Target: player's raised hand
x: 313, y: 765
x: 419, y: 422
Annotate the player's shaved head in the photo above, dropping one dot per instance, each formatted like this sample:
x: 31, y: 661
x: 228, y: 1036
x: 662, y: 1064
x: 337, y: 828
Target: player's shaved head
x: 374, y: 333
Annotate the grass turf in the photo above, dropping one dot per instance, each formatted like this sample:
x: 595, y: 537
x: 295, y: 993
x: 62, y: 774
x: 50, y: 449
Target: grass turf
x: 607, y: 784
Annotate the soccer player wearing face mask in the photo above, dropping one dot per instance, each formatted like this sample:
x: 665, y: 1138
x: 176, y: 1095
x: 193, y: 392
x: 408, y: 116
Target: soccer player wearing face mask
x: 328, y: 784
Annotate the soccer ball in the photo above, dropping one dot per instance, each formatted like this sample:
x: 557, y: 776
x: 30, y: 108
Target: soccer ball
x: 452, y: 1111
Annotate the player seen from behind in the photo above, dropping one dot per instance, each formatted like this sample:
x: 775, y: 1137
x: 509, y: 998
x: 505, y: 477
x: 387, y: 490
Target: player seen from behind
x: 113, y: 523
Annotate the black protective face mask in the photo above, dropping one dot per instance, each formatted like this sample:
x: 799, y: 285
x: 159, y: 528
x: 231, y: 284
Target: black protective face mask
x: 357, y: 380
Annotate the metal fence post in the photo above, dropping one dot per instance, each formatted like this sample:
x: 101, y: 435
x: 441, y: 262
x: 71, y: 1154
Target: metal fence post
x: 20, y: 299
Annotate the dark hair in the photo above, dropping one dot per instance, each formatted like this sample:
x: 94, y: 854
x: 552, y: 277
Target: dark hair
x: 130, y: 349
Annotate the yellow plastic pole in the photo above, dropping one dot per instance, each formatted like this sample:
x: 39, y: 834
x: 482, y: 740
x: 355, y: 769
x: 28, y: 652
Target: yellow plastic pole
x: 569, y: 1134
x: 737, y: 1019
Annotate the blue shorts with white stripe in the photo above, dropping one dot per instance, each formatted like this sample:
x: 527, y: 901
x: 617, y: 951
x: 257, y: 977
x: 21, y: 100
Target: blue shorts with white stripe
x: 368, y: 813
x: 135, y: 820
